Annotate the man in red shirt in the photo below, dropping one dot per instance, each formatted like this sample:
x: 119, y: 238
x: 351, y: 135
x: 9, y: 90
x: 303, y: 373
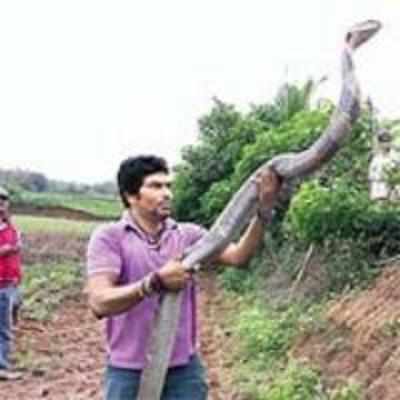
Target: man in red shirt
x: 10, y: 277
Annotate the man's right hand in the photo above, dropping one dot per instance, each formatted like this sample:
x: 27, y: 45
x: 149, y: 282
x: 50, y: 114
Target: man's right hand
x: 174, y: 275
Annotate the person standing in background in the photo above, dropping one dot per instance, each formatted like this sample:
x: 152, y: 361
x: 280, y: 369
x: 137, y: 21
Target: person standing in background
x: 10, y: 278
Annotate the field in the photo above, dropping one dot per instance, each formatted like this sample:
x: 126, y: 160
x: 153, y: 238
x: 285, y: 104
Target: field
x: 31, y: 224
x: 100, y: 207
x: 54, y: 257
x: 59, y: 343
x: 56, y: 331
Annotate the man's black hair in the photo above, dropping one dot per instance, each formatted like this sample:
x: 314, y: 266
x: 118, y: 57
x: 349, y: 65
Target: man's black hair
x: 133, y: 170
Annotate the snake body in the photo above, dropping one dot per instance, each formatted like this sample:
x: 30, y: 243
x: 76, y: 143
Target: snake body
x: 242, y: 206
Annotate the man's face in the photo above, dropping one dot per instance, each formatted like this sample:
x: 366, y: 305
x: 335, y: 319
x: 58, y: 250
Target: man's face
x: 4, y: 206
x: 154, y: 197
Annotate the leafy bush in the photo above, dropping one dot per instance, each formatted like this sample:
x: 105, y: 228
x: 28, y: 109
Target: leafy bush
x: 215, y: 200
x: 247, y: 279
x: 317, y: 213
x: 352, y: 160
x: 45, y: 287
x: 348, y: 392
x: 296, y: 382
x: 348, y: 263
x: 300, y: 382
x: 265, y: 369
x: 238, y: 280
x: 292, y: 136
x: 266, y: 334
x: 224, y: 134
x: 342, y: 212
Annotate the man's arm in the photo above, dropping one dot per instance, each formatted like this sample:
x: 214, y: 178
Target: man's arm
x: 238, y: 253
x: 107, y: 297
x: 268, y: 184
x: 10, y: 248
x: 7, y: 249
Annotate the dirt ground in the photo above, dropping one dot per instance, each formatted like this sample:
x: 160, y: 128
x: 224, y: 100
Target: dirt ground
x: 362, y: 341
x: 55, y: 247
x: 66, y: 356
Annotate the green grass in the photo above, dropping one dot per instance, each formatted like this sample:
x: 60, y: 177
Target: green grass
x: 30, y: 224
x: 98, y: 207
x: 45, y: 287
x: 264, y: 369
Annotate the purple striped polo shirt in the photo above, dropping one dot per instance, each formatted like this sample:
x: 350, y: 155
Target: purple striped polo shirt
x: 127, y: 251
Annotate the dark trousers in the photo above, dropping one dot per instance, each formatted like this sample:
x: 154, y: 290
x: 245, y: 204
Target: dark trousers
x: 182, y: 383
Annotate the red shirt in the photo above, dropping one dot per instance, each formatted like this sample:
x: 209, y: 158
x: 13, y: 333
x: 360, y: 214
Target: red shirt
x: 10, y: 264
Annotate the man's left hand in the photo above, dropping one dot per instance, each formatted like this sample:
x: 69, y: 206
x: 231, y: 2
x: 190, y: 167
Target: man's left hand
x: 268, y: 186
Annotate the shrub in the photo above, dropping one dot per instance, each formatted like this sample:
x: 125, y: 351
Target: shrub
x: 317, y: 213
x: 266, y: 334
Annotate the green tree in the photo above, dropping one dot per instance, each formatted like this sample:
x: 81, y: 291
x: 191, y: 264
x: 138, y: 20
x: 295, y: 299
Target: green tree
x: 224, y: 135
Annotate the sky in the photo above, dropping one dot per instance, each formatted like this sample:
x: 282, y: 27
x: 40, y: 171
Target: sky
x: 86, y: 83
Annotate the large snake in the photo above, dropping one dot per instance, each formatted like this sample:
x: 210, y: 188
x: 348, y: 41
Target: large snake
x: 242, y: 206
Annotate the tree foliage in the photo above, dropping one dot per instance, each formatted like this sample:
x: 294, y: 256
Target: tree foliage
x: 212, y: 169
x: 330, y: 208
x: 37, y: 182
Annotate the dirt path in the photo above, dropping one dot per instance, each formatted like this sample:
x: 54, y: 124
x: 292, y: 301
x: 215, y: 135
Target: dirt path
x: 64, y: 358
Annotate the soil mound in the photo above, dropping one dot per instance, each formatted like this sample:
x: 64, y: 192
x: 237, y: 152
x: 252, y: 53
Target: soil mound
x: 362, y: 340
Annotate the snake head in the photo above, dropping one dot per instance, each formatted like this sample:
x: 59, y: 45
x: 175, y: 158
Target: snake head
x: 361, y: 32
